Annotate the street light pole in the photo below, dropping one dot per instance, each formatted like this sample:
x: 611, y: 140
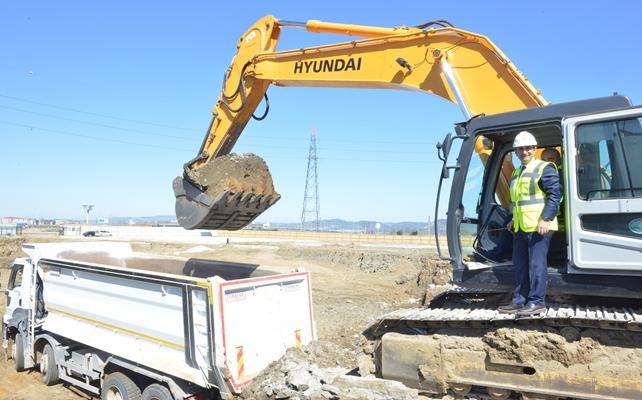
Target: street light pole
x: 87, y: 208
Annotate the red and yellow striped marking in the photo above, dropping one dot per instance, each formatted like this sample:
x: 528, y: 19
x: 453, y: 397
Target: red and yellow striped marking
x: 297, y: 338
x: 240, y: 363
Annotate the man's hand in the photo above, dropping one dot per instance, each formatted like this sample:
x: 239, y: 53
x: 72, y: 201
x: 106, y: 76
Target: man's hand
x: 542, y: 227
x: 509, y: 226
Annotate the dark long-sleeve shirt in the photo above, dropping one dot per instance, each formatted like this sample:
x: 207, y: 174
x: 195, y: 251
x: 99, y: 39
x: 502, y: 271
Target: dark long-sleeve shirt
x: 550, y: 184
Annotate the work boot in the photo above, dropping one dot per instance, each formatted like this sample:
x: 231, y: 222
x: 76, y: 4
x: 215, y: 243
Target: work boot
x: 531, y: 309
x: 510, y: 308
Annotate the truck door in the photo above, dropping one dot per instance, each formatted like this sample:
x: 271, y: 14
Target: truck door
x: 14, y: 291
x: 603, y: 167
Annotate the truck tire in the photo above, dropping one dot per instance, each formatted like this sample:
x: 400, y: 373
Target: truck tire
x: 48, y: 366
x: 118, y: 386
x: 18, y: 353
x: 156, y: 391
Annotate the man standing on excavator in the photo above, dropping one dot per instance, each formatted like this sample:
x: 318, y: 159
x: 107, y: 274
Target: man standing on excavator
x: 535, y: 196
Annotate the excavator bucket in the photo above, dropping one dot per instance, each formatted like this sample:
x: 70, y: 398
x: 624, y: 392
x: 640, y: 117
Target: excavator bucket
x: 228, y: 210
x: 228, y: 193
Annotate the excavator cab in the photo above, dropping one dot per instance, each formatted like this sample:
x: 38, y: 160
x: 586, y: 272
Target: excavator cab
x: 601, y: 176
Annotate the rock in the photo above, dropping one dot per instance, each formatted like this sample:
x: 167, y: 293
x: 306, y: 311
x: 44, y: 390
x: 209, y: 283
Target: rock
x: 332, y: 389
x: 373, y: 388
x: 366, y: 364
x: 283, y: 395
x: 322, y: 395
x: 317, y: 395
x: 300, y: 379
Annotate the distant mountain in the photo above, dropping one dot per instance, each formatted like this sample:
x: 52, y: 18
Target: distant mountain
x: 153, y: 220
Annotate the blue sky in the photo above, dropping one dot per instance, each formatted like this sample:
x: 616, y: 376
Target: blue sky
x: 102, y: 102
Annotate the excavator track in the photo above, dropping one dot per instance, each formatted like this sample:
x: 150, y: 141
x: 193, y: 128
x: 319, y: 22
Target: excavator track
x: 462, y: 344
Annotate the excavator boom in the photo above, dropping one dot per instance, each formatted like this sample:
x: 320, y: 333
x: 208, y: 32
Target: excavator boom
x: 459, y: 66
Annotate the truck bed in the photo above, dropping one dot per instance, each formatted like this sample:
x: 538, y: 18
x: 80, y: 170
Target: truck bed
x: 214, y: 324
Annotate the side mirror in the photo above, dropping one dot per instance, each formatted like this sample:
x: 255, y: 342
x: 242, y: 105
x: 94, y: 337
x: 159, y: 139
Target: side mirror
x: 443, y: 148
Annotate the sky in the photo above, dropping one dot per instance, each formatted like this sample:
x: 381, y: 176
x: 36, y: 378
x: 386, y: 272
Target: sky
x: 103, y: 102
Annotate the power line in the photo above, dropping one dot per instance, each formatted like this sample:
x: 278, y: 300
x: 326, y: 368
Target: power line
x: 354, y: 150
x: 359, y: 150
x: 64, y: 108
x: 32, y: 128
x: 95, y: 123
x: 350, y: 140
x: 66, y: 133
x: 96, y: 114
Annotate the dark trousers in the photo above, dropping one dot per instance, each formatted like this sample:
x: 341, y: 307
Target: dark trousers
x: 529, y: 259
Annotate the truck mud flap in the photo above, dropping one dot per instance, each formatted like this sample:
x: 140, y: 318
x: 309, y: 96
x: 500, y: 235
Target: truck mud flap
x: 228, y: 211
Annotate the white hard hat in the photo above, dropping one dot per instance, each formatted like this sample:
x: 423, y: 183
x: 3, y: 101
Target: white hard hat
x: 524, y: 138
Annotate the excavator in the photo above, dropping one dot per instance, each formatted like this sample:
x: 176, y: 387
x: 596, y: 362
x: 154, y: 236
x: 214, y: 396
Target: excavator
x: 588, y: 342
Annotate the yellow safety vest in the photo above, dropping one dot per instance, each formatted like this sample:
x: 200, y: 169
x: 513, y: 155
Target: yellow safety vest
x: 528, y: 200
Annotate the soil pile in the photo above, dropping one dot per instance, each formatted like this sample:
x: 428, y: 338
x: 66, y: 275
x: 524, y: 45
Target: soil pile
x: 569, y: 346
x: 246, y: 173
x: 10, y: 248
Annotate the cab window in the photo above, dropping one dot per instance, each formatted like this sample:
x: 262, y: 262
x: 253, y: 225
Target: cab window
x: 15, y: 279
x: 608, y: 159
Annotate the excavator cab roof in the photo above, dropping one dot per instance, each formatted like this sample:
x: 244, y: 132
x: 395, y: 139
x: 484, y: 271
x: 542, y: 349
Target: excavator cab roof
x: 506, y: 125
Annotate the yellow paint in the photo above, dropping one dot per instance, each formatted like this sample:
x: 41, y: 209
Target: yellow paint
x: 488, y: 81
x: 240, y: 362
x: 118, y: 328
x: 297, y: 338
x: 210, y: 292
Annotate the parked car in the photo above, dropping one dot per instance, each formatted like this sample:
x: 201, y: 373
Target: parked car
x: 100, y: 233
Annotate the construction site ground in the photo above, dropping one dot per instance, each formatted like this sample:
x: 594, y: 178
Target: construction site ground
x: 352, y: 285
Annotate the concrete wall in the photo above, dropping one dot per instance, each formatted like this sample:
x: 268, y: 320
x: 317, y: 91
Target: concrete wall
x: 160, y: 233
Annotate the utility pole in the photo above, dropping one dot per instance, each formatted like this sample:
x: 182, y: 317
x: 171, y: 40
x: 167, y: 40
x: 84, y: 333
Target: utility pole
x: 87, y: 208
x: 311, y: 193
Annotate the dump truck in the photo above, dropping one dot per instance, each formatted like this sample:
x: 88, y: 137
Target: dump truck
x: 128, y: 325
x: 587, y: 342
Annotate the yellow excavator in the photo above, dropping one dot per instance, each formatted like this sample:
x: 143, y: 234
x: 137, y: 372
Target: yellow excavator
x: 437, y: 58
x: 588, y: 342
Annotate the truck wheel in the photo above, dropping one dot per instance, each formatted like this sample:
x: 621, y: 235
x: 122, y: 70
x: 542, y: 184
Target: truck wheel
x: 118, y: 386
x: 48, y: 366
x: 157, y: 391
x: 18, y: 353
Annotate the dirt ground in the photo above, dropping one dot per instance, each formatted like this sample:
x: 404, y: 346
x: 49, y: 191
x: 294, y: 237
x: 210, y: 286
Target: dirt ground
x: 351, y: 286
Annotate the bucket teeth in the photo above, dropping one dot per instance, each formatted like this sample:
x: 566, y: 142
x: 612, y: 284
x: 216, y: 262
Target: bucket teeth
x: 228, y: 210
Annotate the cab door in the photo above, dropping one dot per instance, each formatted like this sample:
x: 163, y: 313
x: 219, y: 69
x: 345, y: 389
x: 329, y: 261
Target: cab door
x: 14, y: 291
x: 603, y: 171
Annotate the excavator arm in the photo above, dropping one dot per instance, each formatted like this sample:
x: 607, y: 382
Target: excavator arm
x: 459, y: 66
